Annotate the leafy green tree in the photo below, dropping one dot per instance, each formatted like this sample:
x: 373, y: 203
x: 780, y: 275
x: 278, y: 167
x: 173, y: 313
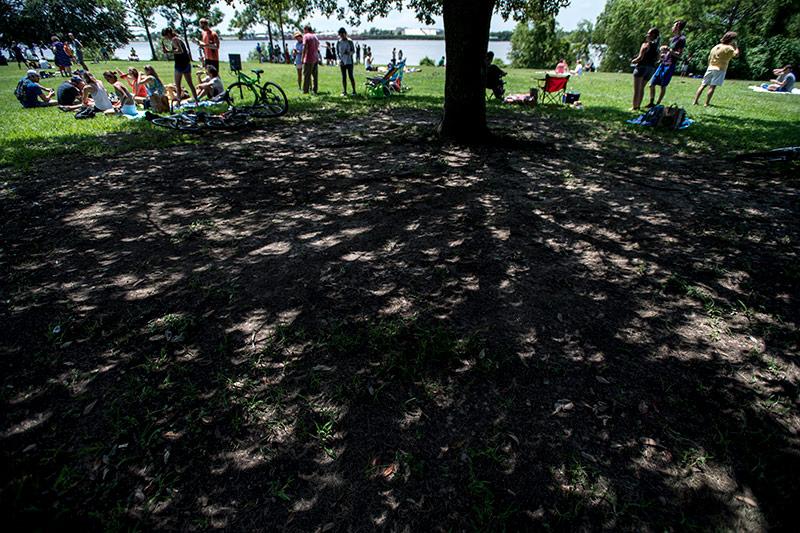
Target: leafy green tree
x: 95, y: 22
x: 537, y: 44
x: 142, y: 13
x: 184, y: 15
x: 265, y: 12
x: 580, y: 39
x: 768, y: 31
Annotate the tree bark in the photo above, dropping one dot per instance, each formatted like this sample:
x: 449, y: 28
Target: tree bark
x: 466, y: 27
x: 269, y: 46
x: 143, y: 16
x: 185, y: 33
x: 283, y: 36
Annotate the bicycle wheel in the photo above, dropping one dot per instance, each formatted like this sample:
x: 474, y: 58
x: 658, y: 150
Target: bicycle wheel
x: 165, y: 122
x: 241, y: 94
x: 274, y: 99
x: 188, y: 123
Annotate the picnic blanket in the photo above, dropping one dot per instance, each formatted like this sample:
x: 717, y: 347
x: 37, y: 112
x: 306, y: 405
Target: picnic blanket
x: 639, y: 121
x: 762, y: 89
x: 520, y: 99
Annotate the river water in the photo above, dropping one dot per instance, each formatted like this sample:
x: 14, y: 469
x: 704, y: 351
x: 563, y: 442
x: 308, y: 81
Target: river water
x: 413, y: 50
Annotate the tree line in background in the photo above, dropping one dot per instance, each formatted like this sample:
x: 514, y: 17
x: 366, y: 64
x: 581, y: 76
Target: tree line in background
x: 769, y: 34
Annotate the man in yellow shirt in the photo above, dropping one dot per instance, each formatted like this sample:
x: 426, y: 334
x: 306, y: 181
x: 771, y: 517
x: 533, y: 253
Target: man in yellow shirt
x: 718, y: 61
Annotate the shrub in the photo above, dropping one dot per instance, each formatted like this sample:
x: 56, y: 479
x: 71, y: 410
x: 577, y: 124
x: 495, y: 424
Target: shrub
x: 427, y: 62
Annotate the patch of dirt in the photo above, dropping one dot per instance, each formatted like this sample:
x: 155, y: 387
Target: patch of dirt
x: 322, y: 326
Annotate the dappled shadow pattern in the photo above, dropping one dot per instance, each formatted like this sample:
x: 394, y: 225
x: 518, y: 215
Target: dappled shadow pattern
x: 377, y: 331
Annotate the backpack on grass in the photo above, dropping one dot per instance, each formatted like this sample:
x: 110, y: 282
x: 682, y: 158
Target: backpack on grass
x: 20, y: 90
x: 653, y: 116
x: 672, y: 118
x: 85, y: 112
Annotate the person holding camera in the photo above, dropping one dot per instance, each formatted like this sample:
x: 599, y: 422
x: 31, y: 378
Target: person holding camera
x: 718, y: 60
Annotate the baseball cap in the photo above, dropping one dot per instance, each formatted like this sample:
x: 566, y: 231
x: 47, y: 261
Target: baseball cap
x: 75, y: 79
x: 31, y: 73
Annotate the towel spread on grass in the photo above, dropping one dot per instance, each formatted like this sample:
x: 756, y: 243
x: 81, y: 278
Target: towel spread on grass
x: 639, y: 121
x: 762, y: 89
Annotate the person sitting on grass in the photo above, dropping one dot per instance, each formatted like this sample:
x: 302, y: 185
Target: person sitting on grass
x: 31, y: 59
x: 784, y: 82
x: 718, y: 61
x: 31, y: 94
x: 210, y: 86
x: 134, y: 80
x: 562, y: 67
x: 69, y: 92
x: 494, y: 77
x: 155, y: 90
x: 127, y: 103
x: 94, y: 95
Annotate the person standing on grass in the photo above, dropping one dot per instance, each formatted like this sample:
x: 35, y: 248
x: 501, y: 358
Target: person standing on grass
x: 62, y: 59
x: 718, y: 61
x: 310, y: 61
x: 19, y: 57
x: 345, y: 50
x: 183, y: 65
x: 298, y: 58
x: 644, y: 66
x: 258, y: 52
x: 669, y: 57
x: 209, y: 44
x: 77, y: 48
x: 358, y: 54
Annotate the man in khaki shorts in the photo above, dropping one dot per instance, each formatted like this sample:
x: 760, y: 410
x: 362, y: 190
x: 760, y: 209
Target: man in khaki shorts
x: 718, y: 61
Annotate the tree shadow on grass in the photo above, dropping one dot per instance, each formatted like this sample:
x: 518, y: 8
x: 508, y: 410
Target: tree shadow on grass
x: 379, y: 331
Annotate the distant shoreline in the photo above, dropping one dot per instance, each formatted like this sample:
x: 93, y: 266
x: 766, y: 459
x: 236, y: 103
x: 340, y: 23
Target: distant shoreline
x: 328, y: 37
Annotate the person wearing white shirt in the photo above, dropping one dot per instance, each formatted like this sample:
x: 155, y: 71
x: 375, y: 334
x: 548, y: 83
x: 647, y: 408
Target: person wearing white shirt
x: 345, y: 49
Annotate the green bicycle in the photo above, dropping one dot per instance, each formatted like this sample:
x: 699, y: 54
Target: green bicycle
x: 269, y: 99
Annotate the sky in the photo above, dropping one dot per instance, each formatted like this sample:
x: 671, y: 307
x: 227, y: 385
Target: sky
x: 568, y: 18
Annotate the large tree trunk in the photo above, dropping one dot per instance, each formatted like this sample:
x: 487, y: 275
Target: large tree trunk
x: 466, y: 28
x: 185, y: 32
x: 143, y: 16
x: 284, y: 55
x: 269, y: 46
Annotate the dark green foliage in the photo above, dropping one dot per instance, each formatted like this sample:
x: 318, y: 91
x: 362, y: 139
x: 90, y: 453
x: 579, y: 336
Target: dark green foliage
x: 767, y: 29
x: 95, y: 22
x: 538, y: 44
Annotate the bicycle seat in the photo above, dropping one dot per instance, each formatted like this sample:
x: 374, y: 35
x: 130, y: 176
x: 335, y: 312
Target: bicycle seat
x: 257, y: 71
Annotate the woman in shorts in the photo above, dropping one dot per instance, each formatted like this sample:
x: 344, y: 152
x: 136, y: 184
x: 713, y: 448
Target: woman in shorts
x: 183, y: 64
x: 644, y: 66
x: 298, y: 58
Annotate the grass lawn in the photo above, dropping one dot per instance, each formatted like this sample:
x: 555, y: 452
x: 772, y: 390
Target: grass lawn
x: 333, y: 322
x: 740, y: 120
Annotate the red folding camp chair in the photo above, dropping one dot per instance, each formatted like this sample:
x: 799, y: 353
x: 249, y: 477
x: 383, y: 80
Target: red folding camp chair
x: 553, y: 88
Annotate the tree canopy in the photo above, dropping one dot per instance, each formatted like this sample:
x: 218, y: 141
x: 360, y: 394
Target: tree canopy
x: 537, y: 44
x: 768, y: 31
x: 95, y: 22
